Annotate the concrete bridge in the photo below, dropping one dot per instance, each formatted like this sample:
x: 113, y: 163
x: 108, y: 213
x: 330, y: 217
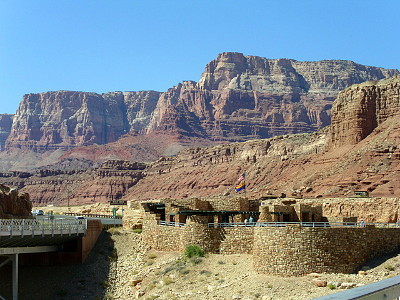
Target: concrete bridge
x: 45, y: 241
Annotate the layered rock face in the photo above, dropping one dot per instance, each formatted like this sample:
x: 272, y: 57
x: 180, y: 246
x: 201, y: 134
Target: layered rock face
x: 14, y: 205
x: 237, y: 98
x: 64, y: 119
x: 5, y: 129
x: 110, y: 180
x: 361, y: 108
x: 246, y: 97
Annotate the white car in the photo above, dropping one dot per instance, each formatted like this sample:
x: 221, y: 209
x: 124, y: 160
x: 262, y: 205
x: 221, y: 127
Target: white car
x: 38, y: 212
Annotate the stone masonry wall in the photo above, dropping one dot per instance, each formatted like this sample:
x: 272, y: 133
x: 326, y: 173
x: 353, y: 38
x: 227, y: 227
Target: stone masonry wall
x: 215, y: 240
x: 284, y: 251
x: 295, y: 250
x: 236, y: 240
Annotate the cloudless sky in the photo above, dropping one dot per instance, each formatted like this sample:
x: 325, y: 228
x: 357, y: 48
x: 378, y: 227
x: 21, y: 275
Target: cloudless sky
x: 131, y: 45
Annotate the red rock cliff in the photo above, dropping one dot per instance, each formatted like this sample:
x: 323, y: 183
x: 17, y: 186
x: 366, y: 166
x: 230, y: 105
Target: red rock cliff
x: 65, y: 119
x: 361, y: 108
x: 245, y: 97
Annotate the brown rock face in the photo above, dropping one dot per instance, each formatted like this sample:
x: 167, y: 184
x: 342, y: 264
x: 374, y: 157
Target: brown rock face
x: 246, y: 97
x: 14, y: 205
x: 361, y: 108
x: 5, y: 128
x: 109, y: 181
x: 237, y: 98
x: 61, y: 120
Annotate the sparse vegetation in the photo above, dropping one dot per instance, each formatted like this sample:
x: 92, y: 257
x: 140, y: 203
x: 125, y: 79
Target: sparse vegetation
x: 167, y: 281
x: 149, y: 262
x: 196, y: 260
x: 389, y: 267
x: 152, y: 256
x: 194, y: 251
x: 137, y: 230
x: 220, y: 262
x: 331, y: 286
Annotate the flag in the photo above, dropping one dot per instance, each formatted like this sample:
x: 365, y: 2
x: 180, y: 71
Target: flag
x: 240, y: 183
x: 240, y: 186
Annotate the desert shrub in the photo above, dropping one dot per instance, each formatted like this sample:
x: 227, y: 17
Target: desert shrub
x: 149, y: 262
x: 389, y: 267
x: 205, y: 272
x: 194, y: 251
x: 167, y: 281
x: 184, y: 271
x: 137, y: 230
x: 196, y: 260
x: 220, y: 262
x: 331, y: 286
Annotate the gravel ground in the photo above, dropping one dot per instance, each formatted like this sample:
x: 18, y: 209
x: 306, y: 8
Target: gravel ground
x: 122, y: 267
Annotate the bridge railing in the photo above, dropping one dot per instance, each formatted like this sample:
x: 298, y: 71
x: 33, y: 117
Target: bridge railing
x: 34, y: 227
x: 93, y: 215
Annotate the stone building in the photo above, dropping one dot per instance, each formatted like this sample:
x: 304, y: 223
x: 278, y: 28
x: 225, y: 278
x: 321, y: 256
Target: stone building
x: 295, y: 246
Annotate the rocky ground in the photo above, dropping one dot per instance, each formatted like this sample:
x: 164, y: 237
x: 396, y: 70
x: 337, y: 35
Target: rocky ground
x: 122, y: 267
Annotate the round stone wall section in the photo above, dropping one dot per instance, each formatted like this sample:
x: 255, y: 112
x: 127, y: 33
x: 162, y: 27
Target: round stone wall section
x: 296, y: 250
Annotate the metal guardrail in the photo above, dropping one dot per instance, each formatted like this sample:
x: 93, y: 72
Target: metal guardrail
x: 93, y: 215
x: 304, y: 224
x: 387, y: 289
x: 176, y: 224
x: 37, y: 227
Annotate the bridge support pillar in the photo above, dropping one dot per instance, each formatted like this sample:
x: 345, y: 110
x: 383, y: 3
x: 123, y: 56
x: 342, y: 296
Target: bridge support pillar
x: 13, y: 258
x: 15, y: 276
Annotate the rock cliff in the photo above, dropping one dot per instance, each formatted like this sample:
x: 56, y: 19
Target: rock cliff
x: 361, y: 108
x: 64, y: 119
x: 5, y: 129
x: 14, y: 205
x: 237, y: 98
x: 247, y: 97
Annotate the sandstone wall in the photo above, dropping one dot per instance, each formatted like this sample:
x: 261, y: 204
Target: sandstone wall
x: 359, y: 109
x: 5, y: 128
x: 245, y: 97
x: 65, y: 119
x: 295, y: 251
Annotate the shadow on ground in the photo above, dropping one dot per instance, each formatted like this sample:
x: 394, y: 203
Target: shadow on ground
x: 85, y: 281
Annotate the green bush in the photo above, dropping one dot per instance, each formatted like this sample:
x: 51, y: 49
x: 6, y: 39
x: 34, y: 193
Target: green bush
x: 194, y: 251
x: 331, y: 286
x: 389, y: 267
x: 137, y: 230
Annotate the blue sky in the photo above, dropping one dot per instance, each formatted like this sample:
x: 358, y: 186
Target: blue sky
x: 130, y: 45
